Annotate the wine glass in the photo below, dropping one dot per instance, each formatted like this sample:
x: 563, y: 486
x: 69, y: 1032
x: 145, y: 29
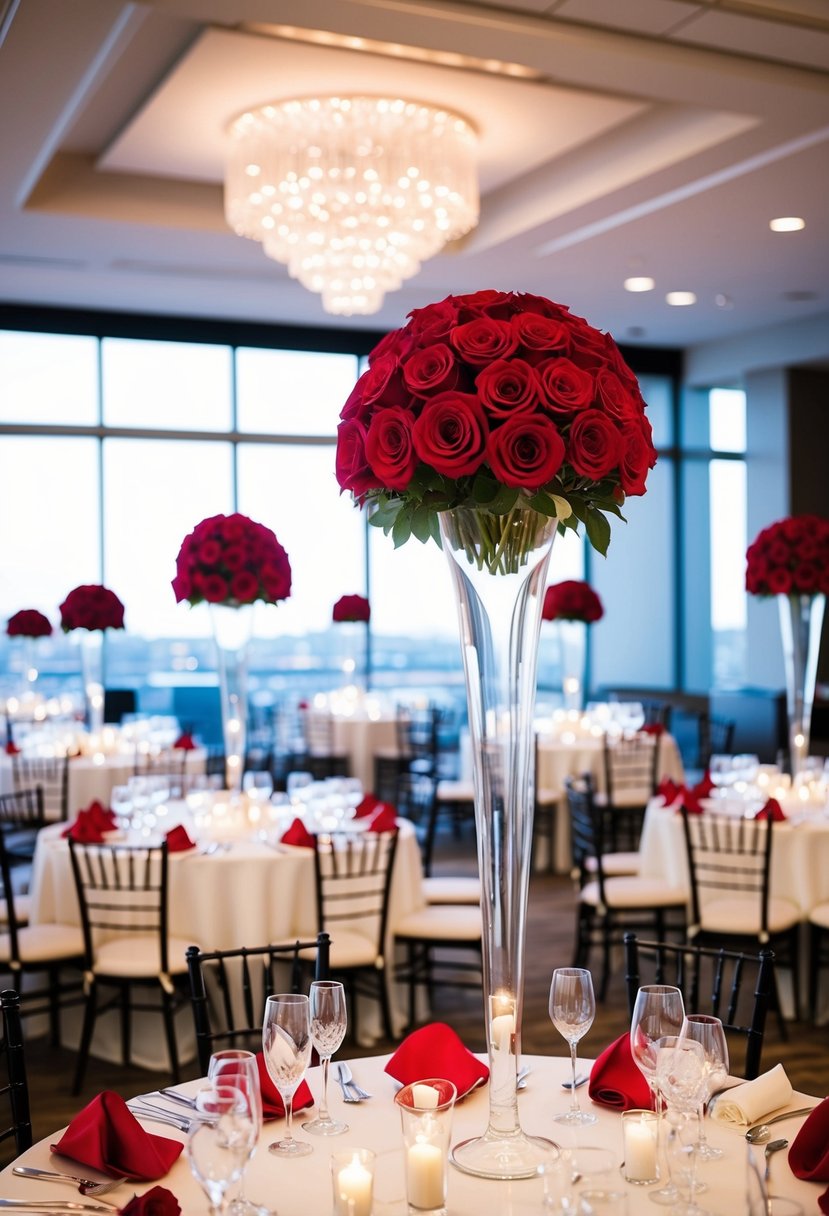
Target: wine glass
x: 240, y: 1070
x: 258, y: 785
x: 721, y: 771
x: 329, y: 1020
x: 682, y: 1078
x: 708, y: 1032
x: 658, y: 1011
x: 219, y: 1147
x: 572, y: 1010
x: 286, y: 1045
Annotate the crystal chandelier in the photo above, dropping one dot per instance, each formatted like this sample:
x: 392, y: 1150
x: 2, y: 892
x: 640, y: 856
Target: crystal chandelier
x: 351, y: 193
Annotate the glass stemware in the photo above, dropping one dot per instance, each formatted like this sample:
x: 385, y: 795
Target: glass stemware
x: 572, y: 1010
x: 329, y: 1019
x: 286, y: 1046
x: 239, y: 1069
x: 709, y: 1033
x: 682, y: 1078
x: 218, y: 1148
x: 658, y: 1011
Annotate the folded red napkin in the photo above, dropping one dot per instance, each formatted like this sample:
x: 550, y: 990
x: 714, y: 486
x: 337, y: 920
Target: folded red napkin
x: 616, y: 1081
x: 178, y: 841
x: 297, y: 834
x: 772, y: 810
x: 384, y: 818
x: 106, y: 1136
x: 272, y: 1105
x: 185, y: 742
x: 12, y: 749
x: 157, y: 1201
x: 436, y: 1051
x: 809, y: 1154
x: 91, y: 823
x: 367, y: 806
x: 652, y: 728
x: 690, y: 800
x: 669, y: 790
x: 704, y: 786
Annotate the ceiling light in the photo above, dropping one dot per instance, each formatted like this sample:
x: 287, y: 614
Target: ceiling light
x: 680, y: 299
x: 787, y: 223
x: 639, y: 283
x: 352, y: 193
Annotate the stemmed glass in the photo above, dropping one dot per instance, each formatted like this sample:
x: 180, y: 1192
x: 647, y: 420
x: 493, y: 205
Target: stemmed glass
x: 658, y: 1011
x: 258, y: 785
x: 240, y: 1069
x: 218, y: 1148
x: 329, y: 1020
x: 682, y: 1077
x: 286, y: 1046
x: 708, y: 1032
x: 721, y: 772
x: 572, y: 1010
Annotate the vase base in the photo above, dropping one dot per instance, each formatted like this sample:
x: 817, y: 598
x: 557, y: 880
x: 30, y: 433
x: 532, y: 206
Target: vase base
x: 502, y: 1157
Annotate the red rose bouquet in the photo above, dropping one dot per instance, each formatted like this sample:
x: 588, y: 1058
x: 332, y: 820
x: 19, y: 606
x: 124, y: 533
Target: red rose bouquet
x: 157, y: 1201
x: 491, y: 401
x: 572, y: 600
x: 790, y: 557
x: 351, y: 608
x: 28, y: 623
x: 230, y: 559
x: 91, y: 607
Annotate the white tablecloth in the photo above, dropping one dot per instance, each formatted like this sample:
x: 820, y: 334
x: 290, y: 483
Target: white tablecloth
x: 360, y: 736
x: 303, y: 1187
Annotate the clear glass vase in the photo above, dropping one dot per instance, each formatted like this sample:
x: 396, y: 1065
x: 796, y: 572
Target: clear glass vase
x: 232, y: 629
x: 353, y: 648
x: 499, y: 566
x: 573, y: 642
x: 92, y: 669
x: 801, y: 622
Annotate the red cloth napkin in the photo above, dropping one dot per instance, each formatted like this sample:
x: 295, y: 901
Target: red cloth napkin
x: 178, y: 841
x: 91, y: 823
x: 704, y: 786
x: 297, y: 834
x: 436, y: 1051
x: 652, y: 728
x: 384, y: 818
x: 106, y: 1136
x: 185, y: 742
x: 690, y: 800
x: 367, y: 806
x: 272, y: 1105
x: 158, y: 1201
x: 809, y: 1154
x: 12, y: 749
x: 669, y: 790
x: 616, y: 1081
x: 772, y: 810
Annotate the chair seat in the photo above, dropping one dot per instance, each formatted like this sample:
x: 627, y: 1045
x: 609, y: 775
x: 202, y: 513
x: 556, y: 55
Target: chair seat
x: 615, y: 865
x: 818, y: 916
x: 448, y: 890
x: 43, y: 943
x: 22, y: 909
x: 742, y: 916
x: 635, y: 892
x: 139, y: 957
x: 455, y: 791
x: 448, y: 923
x: 627, y: 800
x: 547, y: 797
x: 348, y: 949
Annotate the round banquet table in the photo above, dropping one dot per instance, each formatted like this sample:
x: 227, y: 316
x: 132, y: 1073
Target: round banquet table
x: 359, y: 736
x: 303, y: 1186
x: 248, y: 894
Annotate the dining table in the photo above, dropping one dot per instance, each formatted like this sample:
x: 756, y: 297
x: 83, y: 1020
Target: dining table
x: 302, y: 1185
x: 360, y: 725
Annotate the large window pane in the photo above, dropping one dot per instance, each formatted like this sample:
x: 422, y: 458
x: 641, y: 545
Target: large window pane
x: 292, y: 392
x: 169, y: 386
x: 728, y: 550
x: 48, y: 378
x: 658, y: 393
x: 728, y: 420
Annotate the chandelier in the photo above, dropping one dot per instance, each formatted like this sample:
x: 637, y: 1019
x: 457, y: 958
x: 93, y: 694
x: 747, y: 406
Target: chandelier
x: 352, y: 194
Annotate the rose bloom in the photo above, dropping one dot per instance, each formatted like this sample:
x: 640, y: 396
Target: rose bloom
x: 506, y: 386
x: 572, y: 600
x: 779, y: 581
x: 565, y: 388
x: 352, y: 468
x: 216, y: 590
x: 28, y: 623
x: 91, y: 606
x: 351, y: 608
x: 481, y: 342
x: 593, y: 445
x: 617, y: 400
x: 635, y: 462
x: 390, y: 449
x: 450, y: 434
x: 244, y: 587
x: 540, y: 336
x: 525, y: 452
x: 431, y: 370
x: 157, y: 1201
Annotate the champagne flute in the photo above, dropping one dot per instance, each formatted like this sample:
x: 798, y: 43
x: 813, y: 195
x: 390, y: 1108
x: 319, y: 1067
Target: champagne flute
x: 682, y: 1078
x: 709, y: 1033
x: 239, y: 1069
x: 329, y: 1020
x: 286, y: 1046
x: 658, y: 1011
x: 572, y: 1010
x: 218, y: 1148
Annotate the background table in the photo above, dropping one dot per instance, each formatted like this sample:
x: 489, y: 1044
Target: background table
x: 303, y: 1186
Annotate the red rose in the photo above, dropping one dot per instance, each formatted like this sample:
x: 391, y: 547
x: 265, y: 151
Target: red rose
x: 433, y: 323
x: 572, y: 600
x: 276, y: 577
x: 779, y: 581
x: 565, y: 388
x: 431, y: 370
x: 28, y: 623
x: 209, y: 552
x: 396, y: 343
x: 593, y: 445
x: 216, y: 589
x: 234, y: 556
x: 352, y: 468
x: 351, y: 608
x: 383, y: 379
x: 540, y: 336
x: 525, y: 452
x: 507, y: 386
x: 482, y: 341
x: 244, y: 587
x: 91, y: 607
x: 450, y: 434
x: 806, y: 577
x: 389, y: 448
x: 614, y: 396
x: 355, y: 406
x: 635, y: 461
x: 157, y: 1201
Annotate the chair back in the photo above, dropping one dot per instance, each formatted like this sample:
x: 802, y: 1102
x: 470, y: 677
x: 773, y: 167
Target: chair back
x: 416, y: 800
x: 21, y: 818
x: 715, y: 737
x: 416, y: 729
x: 11, y: 928
x: 631, y: 768
x: 165, y: 762
x: 236, y: 984
x: 122, y: 890
x: 587, y: 824
x: 14, y: 1087
x: 51, y: 774
x: 729, y: 857
x: 734, y: 987
x: 353, y: 877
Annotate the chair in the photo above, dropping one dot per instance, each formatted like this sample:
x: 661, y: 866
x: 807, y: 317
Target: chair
x: 631, y: 769
x: 545, y: 818
x: 239, y: 981
x: 416, y: 800
x: 321, y: 757
x: 122, y: 894
x: 353, y: 877
x: 608, y: 905
x: 21, y: 818
x: 416, y: 750
x: 711, y: 981
x: 715, y: 737
x: 818, y: 952
x: 439, y: 927
x: 729, y: 863
x: 15, y: 1087
x: 657, y: 713
x: 51, y: 774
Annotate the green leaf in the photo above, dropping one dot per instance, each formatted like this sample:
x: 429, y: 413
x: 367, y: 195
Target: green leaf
x: 420, y: 524
x: 503, y: 502
x: 542, y: 502
x: 563, y: 508
x: 434, y: 529
x: 598, y: 531
x: 402, y: 529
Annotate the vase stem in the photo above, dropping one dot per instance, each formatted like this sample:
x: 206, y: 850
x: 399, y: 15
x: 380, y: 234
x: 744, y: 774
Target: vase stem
x: 801, y: 621
x: 232, y: 630
x: 573, y: 638
x: 92, y: 665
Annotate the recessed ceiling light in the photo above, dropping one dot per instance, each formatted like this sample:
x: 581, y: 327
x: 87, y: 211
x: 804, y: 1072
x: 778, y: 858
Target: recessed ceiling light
x: 639, y: 283
x: 723, y: 301
x: 680, y: 299
x: 787, y: 223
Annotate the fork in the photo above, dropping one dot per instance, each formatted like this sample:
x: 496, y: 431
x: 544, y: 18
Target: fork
x: 348, y: 1079
x: 172, y: 1096
x: 348, y: 1096
x: 143, y: 1110
x: 86, y: 1186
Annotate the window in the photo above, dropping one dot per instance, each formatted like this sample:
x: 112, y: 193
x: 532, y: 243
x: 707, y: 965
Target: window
x: 292, y: 392
x: 728, y: 543
x: 48, y: 378
x: 166, y: 385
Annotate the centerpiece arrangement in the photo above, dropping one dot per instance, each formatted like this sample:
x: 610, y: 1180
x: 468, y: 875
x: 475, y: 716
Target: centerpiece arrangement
x: 790, y: 560
x: 29, y: 624
x: 574, y: 605
x: 486, y: 423
x: 354, y: 612
x: 92, y: 609
x: 230, y: 562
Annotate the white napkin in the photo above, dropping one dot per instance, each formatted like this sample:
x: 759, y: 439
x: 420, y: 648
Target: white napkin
x: 754, y: 1100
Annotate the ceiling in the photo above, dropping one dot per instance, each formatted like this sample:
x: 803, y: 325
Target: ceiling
x: 649, y: 137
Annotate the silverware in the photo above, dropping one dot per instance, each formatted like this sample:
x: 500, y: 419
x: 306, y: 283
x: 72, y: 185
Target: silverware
x: 521, y: 1079
x: 581, y: 1079
x: 773, y: 1147
x: 348, y: 1079
x: 172, y: 1096
x: 760, y: 1133
x: 87, y: 1186
x: 347, y: 1094
x: 60, y: 1205
x: 157, y: 1114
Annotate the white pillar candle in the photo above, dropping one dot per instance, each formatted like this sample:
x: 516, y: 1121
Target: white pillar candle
x: 425, y: 1176
x: 640, y: 1149
x: 425, y: 1097
x: 354, y: 1186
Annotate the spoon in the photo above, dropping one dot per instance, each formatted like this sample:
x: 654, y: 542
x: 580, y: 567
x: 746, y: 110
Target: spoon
x: 761, y: 1133
x: 773, y: 1147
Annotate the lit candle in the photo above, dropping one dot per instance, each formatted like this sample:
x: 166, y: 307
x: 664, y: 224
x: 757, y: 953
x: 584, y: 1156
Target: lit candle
x: 425, y: 1183
x: 354, y: 1186
x: 640, y: 1148
x: 502, y: 1022
x: 425, y: 1097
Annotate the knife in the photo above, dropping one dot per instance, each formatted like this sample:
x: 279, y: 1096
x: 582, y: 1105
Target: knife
x: 56, y: 1205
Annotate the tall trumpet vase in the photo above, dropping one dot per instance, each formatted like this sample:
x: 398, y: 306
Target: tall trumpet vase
x: 801, y: 621
x: 92, y: 669
x: 232, y: 628
x: 573, y: 640
x: 498, y: 565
